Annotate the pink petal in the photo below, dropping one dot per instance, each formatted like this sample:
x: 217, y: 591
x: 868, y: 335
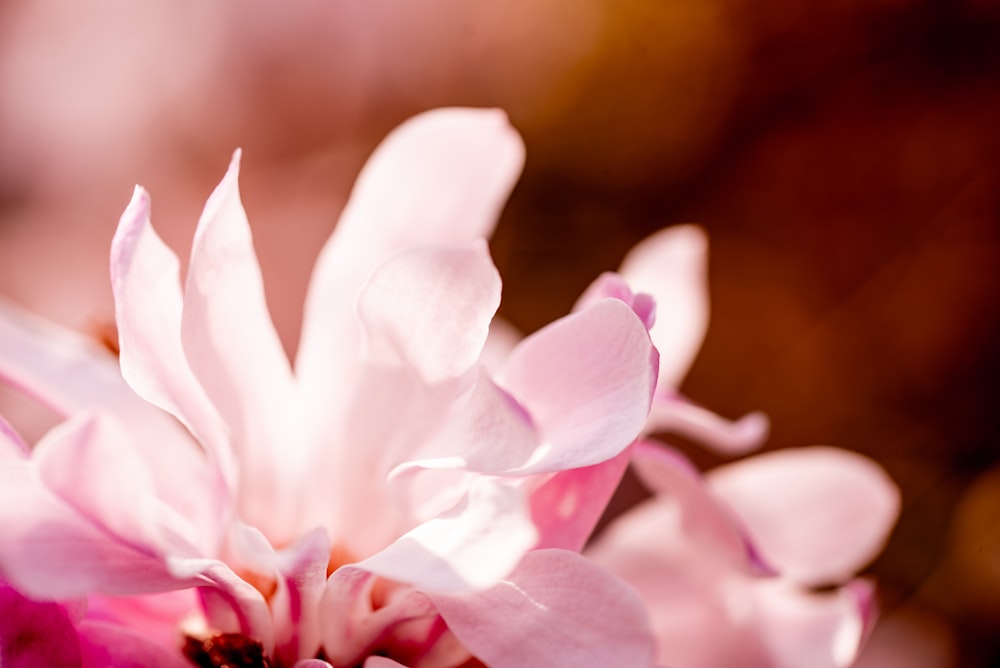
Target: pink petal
x: 12, y: 446
x: 431, y: 309
x: 586, y: 381
x: 65, y: 371
x: 353, y: 625
x: 816, y: 514
x: 295, y: 604
x: 566, y: 508
x: 805, y: 629
x: 231, y: 604
x: 71, y: 374
x: 695, y: 513
x: 35, y: 634
x: 356, y: 465
x: 234, y: 352
x: 697, y: 592
x: 555, y: 609
x: 469, y: 546
x: 439, y: 178
x: 671, y: 266
x: 52, y: 550
x: 486, y: 431
x: 148, y: 304
x: 89, y: 463
x: 381, y: 662
x: 107, y: 645
x: 612, y: 286
x: 157, y: 617
x: 673, y: 413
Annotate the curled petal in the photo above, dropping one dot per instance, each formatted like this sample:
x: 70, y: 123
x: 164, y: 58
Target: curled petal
x: 353, y: 624
x: 231, y: 604
x: 555, y: 609
x: 816, y: 514
x: 586, y: 380
x: 675, y: 414
x: 431, y: 308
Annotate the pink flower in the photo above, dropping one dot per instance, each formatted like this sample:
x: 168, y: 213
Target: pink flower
x: 730, y: 566
x: 386, y: 496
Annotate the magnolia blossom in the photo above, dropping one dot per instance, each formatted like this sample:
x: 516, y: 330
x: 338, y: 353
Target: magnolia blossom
x: 753, y: 564
x: 389, y: 499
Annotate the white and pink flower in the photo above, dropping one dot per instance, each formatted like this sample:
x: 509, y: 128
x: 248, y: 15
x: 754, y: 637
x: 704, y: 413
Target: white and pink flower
x: 416, y: 489
x: 386, y: 499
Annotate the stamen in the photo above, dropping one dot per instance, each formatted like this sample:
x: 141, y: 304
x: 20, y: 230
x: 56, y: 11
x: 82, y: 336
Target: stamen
x: 225, y: 650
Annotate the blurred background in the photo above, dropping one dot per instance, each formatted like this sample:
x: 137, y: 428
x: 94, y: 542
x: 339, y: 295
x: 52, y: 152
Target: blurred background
x: 843, y: 156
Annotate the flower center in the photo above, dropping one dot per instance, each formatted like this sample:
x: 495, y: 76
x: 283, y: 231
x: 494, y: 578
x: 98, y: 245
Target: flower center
x: 225, y: 650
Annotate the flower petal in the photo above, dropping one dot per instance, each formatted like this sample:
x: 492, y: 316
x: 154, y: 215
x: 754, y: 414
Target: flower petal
x: 470, y: 546
x: 586, y: 380
x: 816, y: 514
x: 566, y: 508
x: 438, y: 179
x: 612, y: 286
x: 381, y: 662
x: 671, y: 266
x: 35, y: 634
x: 89, y: 464
x: 12, y: 446
x: 673, y: 413
x: 295, y: 604
x: 555, y: 609
x: 805, y: 629
x: 50, y: 551
x: 684, y: 515
x: 430, y: 308
x: 232, y: 348
x: 105, y: 645
x: 145, y: 279
x: 65, y: 371
x: 354, y: 623
x: 72, y: 375
x: 231, y: 604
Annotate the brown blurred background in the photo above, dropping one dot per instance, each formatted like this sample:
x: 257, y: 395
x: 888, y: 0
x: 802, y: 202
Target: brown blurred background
x: 844, y: 157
